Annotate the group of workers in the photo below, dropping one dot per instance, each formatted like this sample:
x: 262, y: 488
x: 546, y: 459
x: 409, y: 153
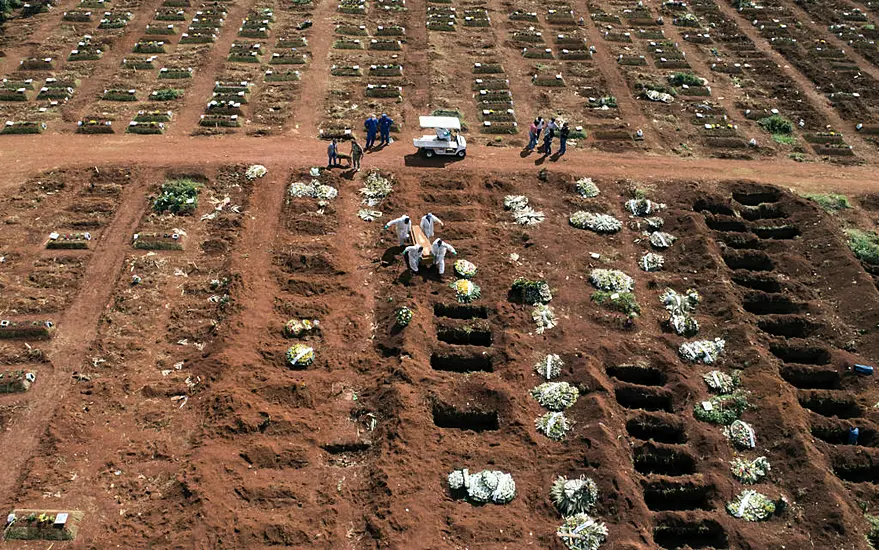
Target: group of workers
x: 414, y: 252
x: 550, y: 130
x: 373, y: 126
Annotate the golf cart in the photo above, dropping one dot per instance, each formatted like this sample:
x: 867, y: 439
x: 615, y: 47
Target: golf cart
x: 446, y: 141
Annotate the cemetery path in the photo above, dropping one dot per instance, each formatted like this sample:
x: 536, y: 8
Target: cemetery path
x: 28, y: 154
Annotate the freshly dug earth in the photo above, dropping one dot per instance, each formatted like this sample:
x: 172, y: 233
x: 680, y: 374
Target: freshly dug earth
x: 167, y: 414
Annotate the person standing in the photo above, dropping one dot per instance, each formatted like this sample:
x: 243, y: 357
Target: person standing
x: 563, y: 138
x: 384, y: 128
x: 402, y: 225
x: 412, y: 254
x: 333, y: 154
x: 371, y: 126
x: 439, y: 249
x: 547, y: 142
x: 553, y: 125
x: 427, y: 224
x: 356, y: 155
x: 533, y: 135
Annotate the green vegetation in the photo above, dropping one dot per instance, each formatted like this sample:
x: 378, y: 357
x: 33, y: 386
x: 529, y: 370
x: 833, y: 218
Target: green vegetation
x: 166, y: 94
x: 777, y: 124
x: 865, y: 245
x: 679, y: 79
x: 872, y: 535
x: 7, y: 6
x: 624, y: 302
x: 829, y: 201
x: 179, y: 196
x: 725, y: 409
x: 784, y: 139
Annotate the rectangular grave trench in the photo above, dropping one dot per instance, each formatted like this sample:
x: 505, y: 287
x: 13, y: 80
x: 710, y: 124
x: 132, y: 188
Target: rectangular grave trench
x: 671, y: 533
x: 657, y: 427
x: 637, y: 374
x: 673, y: 495
x: 648, y: 399
x: 465, y: 335
x: 661, y: 460
x: 460, y: 311
x: 461, y: 362
x: 477, y: 420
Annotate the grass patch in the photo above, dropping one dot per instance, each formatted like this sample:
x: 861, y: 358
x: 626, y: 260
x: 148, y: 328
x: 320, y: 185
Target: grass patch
x: 784, y: 139
x: 166, y: 94
x: 179, y: 196
x: 680, y: 79
x: 776, y: 124
x: 830, y: 202
x: 864, y: 244
x: 624, y: 302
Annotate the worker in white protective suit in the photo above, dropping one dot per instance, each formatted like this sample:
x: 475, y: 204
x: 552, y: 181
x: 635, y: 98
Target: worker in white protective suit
x: 412, y: 254
x: 439, y: 249
x: 403, y: 225
x: 427, y: 224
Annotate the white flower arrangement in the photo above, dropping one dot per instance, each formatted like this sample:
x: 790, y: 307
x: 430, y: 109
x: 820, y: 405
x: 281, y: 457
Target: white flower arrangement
x: 704, y: 351
x: 556, y: 396
x: 486, y: 486
x: 256, y: 171
x: 544, y: 317
x: 741, y: 434
x: 300, y: 355
x: 315, y: 190
x: 582, y: 532
x: 586, y: 188
x: 751, y: 506
x: 720, y: 382
x: 651, y: 262
x: 661, y: 240
x: 573, y: 496
x: 643, y: 207
x: 465, y: 269
x: 600, y: 223
x: 611, y: 280
x: 375, y: 189
x: 549, y: 367
x: 522, y: 213
x: 750, y: 471
x: 680, y: 308
x: 515, y: 202
x: 554, y: 425
x: 528, y: 216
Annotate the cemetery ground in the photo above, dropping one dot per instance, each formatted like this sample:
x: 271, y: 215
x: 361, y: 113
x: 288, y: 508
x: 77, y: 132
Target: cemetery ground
x: 166, y: 413
x: 675, y: 318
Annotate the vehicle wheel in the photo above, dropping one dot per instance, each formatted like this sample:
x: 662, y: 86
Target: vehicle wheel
x: 462, y: 153
x: 428, y: 153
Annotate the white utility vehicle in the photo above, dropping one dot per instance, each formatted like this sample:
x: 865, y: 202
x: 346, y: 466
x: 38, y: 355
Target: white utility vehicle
x: 447, y: 139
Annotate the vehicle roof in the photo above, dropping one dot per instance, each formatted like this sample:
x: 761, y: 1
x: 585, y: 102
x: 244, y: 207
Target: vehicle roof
x: 449, y: 122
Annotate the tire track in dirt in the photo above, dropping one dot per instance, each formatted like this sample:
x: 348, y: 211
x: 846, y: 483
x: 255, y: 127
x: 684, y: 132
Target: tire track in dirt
x: 201, y: 91
x: 87, y: 95
x: 77, y: 329
x: 616, y: 82
x: 316, y: 78
x: 819, y: 102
